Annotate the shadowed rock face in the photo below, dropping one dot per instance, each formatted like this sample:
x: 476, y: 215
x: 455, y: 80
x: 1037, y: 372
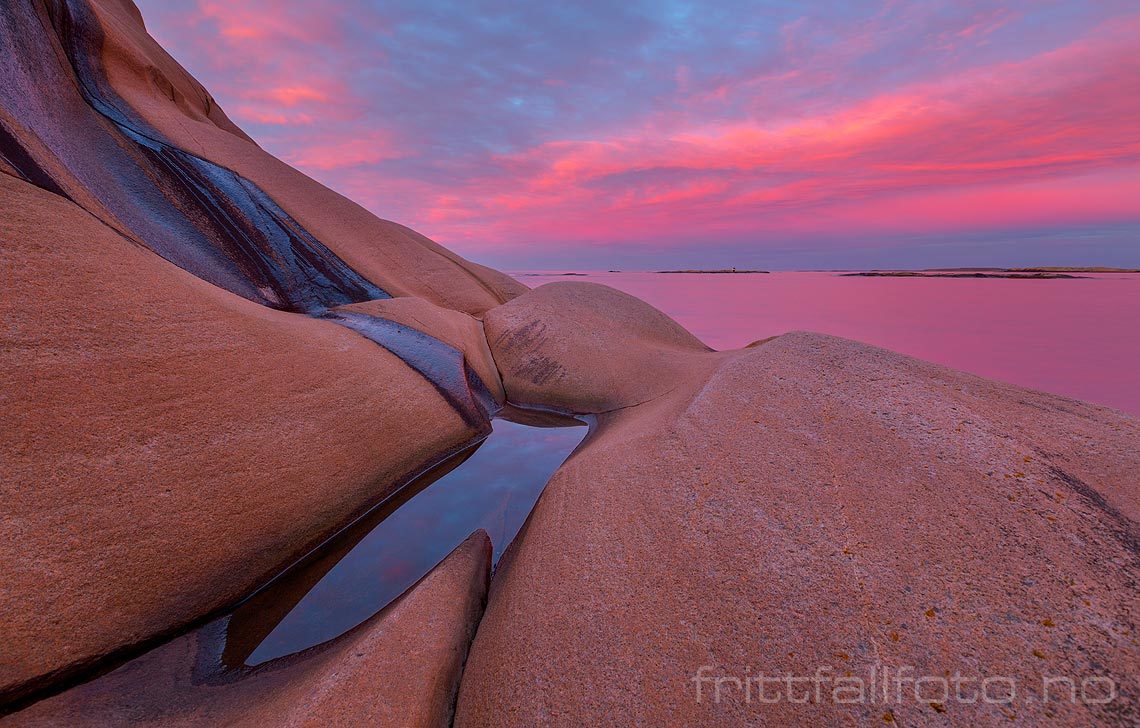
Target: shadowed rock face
x: 197, y: 214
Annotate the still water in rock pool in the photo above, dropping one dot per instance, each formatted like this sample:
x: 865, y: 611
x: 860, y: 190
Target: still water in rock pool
x: 492, y: 487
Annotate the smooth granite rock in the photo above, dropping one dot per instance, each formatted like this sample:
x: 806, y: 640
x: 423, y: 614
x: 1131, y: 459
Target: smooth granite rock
x: 210, y: 363
x: 400, y: 668
x: 587, y: 348
x: 398, y: 259
x: 167, y: 445
x: 816, y: 504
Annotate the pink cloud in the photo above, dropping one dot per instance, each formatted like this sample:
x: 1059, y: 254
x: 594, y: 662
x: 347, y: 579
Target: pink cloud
x: 271, y: 20
x: 1021, y: 137
x: 260, y: 116
x: 322, y: 154
x: 820, y: 125
x: 292, y: 95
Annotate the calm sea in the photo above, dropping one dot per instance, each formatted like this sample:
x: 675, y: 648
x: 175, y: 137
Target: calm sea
x: 1079, y: 338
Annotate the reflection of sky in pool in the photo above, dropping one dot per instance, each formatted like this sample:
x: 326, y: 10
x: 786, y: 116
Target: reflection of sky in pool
x: 494, y: 489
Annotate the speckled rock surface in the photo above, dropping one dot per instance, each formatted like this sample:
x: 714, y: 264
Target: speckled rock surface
x: 190, y: 403
x: 167, y: 445
x: 401, y: 667
x: 587, y: 348
x: 822, y: 505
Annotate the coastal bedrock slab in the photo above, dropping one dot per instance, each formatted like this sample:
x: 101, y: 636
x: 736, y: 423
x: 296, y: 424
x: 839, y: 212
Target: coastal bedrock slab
x: 169, y: 446
x: 816, y: 508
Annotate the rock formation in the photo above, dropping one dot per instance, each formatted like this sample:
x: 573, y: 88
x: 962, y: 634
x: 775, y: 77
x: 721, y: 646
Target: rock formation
x: 186, y: 416
x: 806, y: 504
x: 347, y: 682
x: 212, y: 363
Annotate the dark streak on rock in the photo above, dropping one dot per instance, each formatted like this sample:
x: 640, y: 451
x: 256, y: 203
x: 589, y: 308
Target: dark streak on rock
x: 25, y: 165
x: 441, y: 364
x: 1125, y: 529
x: 208, y: 216
x: 541, y: 369
x: 530, y: 336
x: 525, y: 336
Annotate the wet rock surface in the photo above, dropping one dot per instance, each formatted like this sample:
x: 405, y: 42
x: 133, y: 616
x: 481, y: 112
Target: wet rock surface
x: 456, y: 329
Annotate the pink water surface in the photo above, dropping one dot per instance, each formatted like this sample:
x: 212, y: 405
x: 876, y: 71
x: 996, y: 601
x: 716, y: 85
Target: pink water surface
x: 1079, y: 338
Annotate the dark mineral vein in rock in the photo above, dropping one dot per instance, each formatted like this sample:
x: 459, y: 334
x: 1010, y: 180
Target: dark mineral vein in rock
x: 90, y: 144
x: 13, y: 154
x: 440, y: 363
x: 202, y: 217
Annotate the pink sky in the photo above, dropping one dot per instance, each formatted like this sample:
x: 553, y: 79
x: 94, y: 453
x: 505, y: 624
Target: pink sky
x: 824, y: 134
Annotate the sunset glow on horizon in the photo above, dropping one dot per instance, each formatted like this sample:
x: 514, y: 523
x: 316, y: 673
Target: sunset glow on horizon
x: 775, y: 134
